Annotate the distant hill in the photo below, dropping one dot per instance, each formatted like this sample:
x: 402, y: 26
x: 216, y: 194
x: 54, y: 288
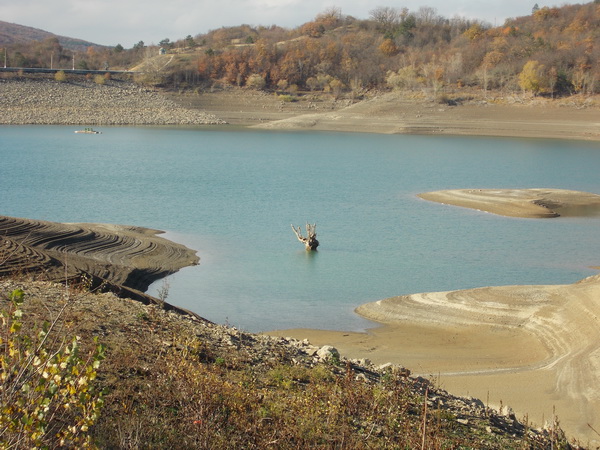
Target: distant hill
x: 12, y: 33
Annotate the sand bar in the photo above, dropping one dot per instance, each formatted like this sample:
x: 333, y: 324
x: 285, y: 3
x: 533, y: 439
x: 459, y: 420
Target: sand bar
x: 530, y: 203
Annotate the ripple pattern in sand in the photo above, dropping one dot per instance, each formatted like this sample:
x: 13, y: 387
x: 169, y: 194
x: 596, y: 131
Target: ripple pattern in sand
x: 129, y: 256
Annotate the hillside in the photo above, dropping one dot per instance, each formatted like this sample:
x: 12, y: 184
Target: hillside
x: 552, y: 52
x: 12, y: 33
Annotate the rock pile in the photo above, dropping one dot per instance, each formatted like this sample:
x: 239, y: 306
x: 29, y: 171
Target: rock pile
x: 47, y: 102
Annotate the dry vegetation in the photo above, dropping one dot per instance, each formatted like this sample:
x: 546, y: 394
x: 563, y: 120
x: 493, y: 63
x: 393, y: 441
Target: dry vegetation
x: 554, y: 51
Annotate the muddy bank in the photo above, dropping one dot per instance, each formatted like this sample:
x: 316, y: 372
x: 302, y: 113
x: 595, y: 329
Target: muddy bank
x: 122, y: 256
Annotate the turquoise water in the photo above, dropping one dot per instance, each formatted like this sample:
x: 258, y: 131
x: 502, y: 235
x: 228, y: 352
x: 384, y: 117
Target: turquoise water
x: 232, y: 195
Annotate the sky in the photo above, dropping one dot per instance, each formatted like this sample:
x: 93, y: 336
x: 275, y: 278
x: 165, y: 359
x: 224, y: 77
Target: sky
x: 126, y: 22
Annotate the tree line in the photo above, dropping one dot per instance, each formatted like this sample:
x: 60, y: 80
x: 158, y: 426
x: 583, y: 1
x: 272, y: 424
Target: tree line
x: 553, y: 51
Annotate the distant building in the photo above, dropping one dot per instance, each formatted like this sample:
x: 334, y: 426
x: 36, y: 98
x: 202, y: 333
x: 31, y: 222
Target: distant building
x: 162, y: 51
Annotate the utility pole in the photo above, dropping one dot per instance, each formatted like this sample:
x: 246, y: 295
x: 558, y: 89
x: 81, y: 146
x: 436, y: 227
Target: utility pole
x: 51, y: 60
x: 5, y: 57
x: 73, y: 59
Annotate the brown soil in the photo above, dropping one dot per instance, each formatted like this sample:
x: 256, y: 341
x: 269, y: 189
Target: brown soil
x: 471, y: 114
x: 124, y: 259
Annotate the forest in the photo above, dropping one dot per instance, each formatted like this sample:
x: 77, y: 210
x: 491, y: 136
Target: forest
x: 555, y: 51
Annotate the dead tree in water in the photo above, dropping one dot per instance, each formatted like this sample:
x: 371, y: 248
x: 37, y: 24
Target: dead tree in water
x: 310, y: 241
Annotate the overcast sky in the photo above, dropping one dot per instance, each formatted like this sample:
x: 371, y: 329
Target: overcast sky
x: 126, y: 22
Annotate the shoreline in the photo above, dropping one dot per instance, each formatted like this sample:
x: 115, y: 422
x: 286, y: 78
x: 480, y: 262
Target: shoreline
x: 118, y: 258
x: 531, y: 348
x: 523, y: 203
x: 80, y: 102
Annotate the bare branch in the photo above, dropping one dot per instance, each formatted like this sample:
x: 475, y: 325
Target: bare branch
x: 310, y: 241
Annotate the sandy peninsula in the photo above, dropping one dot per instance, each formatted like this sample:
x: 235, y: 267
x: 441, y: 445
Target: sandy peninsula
x: 119, y: 258
x: 529, y: 203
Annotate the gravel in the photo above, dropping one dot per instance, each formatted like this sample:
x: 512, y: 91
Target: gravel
x: 48, y: 102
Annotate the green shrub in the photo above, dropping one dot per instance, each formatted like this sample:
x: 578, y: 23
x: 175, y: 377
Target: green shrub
x: 287, y: 98
x: 47, y: 394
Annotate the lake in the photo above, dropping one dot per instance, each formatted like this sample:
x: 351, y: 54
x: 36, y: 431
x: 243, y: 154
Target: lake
x: 232, y: 194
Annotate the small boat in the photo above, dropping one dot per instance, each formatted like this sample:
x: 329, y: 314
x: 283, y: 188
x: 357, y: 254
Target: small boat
x: 88, y: 131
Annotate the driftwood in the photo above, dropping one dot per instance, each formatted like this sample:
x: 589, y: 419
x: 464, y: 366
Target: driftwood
x: 310, y: 241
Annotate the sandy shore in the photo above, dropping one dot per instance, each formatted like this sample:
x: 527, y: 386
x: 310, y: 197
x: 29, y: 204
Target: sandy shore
x: 395, y: 113
x: 533, y: 348
x: 406, y: 113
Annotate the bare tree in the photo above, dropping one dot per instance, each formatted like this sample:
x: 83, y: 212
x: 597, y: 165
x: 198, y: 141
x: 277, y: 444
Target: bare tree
x: 388, y: 19
x: 426, y: 15
x: 310, y: 241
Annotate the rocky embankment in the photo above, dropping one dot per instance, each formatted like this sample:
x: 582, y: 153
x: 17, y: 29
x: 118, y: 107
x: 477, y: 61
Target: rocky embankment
x: 84, y: 102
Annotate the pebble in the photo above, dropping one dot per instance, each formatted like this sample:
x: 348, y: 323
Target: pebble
x: 83, y: 102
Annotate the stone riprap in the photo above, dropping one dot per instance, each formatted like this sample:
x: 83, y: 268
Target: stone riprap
x: 84, y: 102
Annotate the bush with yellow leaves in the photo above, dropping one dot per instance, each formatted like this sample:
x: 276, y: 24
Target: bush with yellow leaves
x: 47, y: 394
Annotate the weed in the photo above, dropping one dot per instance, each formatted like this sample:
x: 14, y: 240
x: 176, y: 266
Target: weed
x: 163, y: 290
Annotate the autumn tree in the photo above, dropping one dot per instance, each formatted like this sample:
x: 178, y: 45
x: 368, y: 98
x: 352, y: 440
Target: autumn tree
x: 330, y: 18
x: 389, y: 48
x: 406, y: 78
x: 532, y: 77
x: 256, y: 81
